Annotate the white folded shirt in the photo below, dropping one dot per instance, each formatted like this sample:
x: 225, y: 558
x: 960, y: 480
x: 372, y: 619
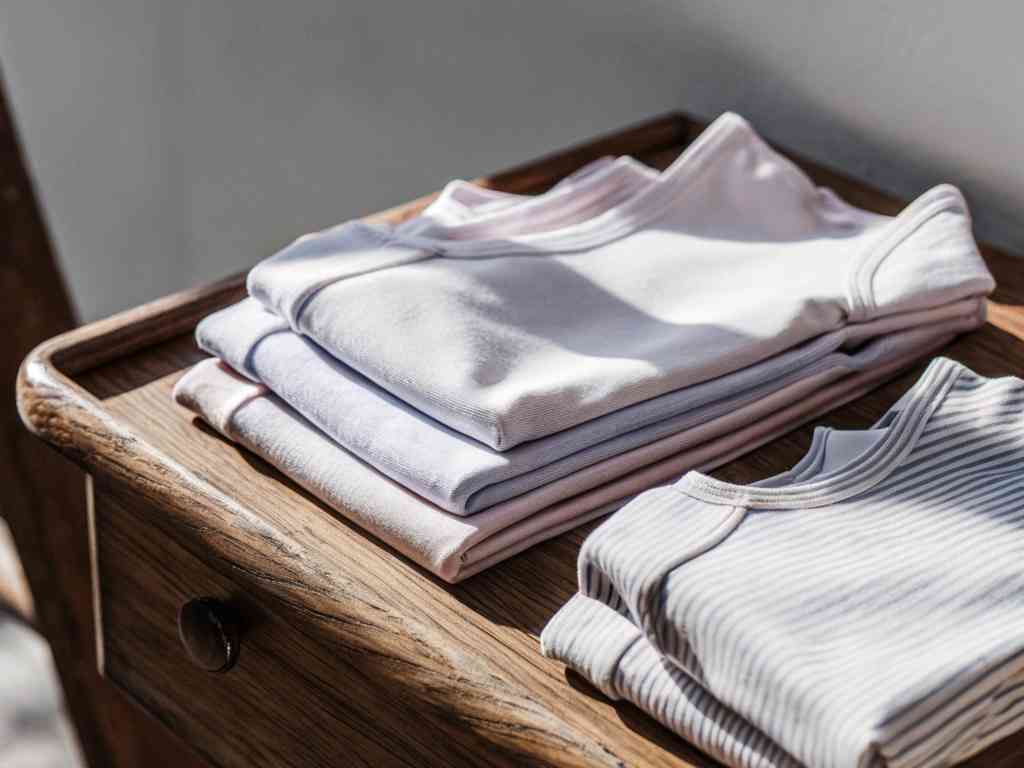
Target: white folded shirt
x: 729, y: 257
x: 863, y: 608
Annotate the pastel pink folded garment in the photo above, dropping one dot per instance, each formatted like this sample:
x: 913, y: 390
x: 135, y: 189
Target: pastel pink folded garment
x: 456, y: 547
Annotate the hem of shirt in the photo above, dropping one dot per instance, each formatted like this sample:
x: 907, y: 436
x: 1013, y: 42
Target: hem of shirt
x: 939, y: 199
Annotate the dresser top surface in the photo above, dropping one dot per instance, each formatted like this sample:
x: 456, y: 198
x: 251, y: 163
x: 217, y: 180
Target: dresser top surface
x: 102, y: 395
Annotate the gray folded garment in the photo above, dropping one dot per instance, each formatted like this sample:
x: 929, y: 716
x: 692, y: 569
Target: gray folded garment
x: 464, y: 476
x: 612, y: 653
x: 863, y: 608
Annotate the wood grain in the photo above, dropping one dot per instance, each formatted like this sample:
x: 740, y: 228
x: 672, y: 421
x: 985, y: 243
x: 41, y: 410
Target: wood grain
x: 196, y: 515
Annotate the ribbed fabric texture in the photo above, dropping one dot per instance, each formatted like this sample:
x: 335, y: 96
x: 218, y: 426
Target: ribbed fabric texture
x: 608, y: 649
x: 864, y: 609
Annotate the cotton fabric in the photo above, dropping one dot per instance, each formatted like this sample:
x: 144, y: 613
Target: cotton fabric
x: 863, y: 609
x: 455, y: 547
x: 494, y: 213
x: 727, y: 258
x: 405, y: 444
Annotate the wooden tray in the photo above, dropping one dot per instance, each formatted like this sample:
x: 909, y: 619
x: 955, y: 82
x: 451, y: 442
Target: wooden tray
x: 463, y: 660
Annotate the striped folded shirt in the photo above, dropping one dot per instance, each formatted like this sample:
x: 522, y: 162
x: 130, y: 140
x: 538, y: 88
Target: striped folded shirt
x: 863, y: 609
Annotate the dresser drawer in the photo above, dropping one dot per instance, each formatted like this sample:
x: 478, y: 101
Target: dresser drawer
x: 288, y: 700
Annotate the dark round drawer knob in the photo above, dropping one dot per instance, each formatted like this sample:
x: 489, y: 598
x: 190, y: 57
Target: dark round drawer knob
x: 209, y: 631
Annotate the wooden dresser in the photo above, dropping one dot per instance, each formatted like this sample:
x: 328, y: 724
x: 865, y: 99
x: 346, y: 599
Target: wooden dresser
x: 341, y: 652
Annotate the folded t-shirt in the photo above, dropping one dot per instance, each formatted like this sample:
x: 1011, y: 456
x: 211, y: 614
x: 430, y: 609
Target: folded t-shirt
x: 456, y: 547
x: 463, y: 476
x: 862, y: 609
x: 727, y: 258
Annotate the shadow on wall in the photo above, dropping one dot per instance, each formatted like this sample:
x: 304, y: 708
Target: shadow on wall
x: 195, y: 139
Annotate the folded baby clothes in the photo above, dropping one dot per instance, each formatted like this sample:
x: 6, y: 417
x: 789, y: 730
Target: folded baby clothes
x: 456, y: 547
x: 863, y: 609
x: 406, y: 444
x: 727, y: 258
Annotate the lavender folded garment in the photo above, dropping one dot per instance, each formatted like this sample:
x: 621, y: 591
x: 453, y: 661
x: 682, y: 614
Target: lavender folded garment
x: 455, y: 547
x: 464, y: 476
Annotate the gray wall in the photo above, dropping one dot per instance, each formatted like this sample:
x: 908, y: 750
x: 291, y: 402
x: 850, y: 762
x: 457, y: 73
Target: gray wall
x: 176, y: 142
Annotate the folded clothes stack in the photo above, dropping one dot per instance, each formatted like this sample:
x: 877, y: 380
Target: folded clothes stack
x: 501, y: 368
x: 864, y: 609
